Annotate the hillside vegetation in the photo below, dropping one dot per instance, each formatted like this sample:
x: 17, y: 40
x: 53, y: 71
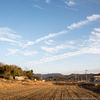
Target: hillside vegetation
x: 7, y: 71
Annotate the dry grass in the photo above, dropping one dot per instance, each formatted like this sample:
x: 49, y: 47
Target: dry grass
x: 14, y: 84
x: 44, y: 91
x: 36, y: 83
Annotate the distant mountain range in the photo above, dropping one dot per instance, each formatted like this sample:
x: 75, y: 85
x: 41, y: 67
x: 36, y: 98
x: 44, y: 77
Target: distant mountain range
x: 48, y: 75
x: 61, y: 76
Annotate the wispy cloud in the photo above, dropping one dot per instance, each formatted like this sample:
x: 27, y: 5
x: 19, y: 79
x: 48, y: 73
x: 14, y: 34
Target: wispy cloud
x: 59, y: 47
x: 12, y: 51
x: 6, y: 39
x: 8, y: 35
x: 49, y: 42
x: 7, y: 32
x: 37, y: 6
x: 47, y: 1
x: 91, y: 46
x: 97, y: 29
x: 81, y: 23
x: 95, y: 33
x: 65, y: 55
x: 45, y: 38
x: 29, y: 53
x: 70, y: 42
x: 70, y: 3
x: 20, y: 51
x: 28, y: 44
x: 50, y: 36
x: 76, y: 25
x: 93, y: 17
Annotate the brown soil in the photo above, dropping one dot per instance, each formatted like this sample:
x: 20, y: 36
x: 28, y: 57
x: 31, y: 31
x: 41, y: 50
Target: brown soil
x: 40, y: 91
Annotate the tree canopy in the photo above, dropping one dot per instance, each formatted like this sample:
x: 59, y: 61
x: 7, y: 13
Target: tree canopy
x: 12, y: 70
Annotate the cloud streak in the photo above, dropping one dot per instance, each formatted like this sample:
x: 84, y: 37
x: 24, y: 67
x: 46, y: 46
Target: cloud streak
x: 45, y: 38
x: 6, y: 39
x: 8, y: 35
x: 65, y: 55
x: 37, y: 6
x: 59, y: 47
x: 29, y: 53
x: 50, y: 36
x: 91, y: 46
x: 97, y: 29
x: 81, y: 23
x: 70, y: 3
x: 25, y: 53
x: 47, y: 1
x: 49, y: 42
x: 12, y: 51
x: 7, y: 32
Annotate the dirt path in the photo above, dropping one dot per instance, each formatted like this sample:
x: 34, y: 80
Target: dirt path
x: 46, y: 92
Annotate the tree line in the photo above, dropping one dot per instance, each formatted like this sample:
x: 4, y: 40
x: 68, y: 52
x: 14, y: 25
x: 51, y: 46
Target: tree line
x: 6, y: 71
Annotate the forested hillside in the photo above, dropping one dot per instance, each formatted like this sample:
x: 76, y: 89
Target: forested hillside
x: 6, y: 71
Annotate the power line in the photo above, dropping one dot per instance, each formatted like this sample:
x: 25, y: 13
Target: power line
x: 86, y: 74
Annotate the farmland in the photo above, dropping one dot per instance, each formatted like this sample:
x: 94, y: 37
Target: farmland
x: 48, y: 92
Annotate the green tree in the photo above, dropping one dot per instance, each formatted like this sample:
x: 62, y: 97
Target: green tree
x: 13, y: 70
x: 29, y: 74
x: 37, y: 78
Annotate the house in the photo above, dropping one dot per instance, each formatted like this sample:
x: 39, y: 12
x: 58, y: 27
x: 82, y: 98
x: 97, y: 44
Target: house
x: 97, y: 78
x: 20, y: 78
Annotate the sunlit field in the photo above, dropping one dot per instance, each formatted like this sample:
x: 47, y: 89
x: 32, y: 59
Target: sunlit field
x: 48, y: 92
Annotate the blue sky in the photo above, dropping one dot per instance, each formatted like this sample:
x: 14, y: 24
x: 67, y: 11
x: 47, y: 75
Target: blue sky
x: 51, y: 36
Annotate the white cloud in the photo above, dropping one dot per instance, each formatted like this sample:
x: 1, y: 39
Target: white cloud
x: 7, y: 32
x: 12, y: 51
x: 46, y: 42
x: 37, y: 6
x: 47, y: 1
x: 70, y: 3
x: 49, y: 42
x: 81, y: 23
x: 65, y: 55
x: 97, y: 29
x: 45, y: 38
x: 28, y: 44
x: 70, y: 42
x: 29, y: 53
x: 76, y: 25
x: 59, y: 47
x: 6, y: 39
x: 48, y: 49
x: 8, y: 35
x: 25, y: 53
x: 91, y: 50
x: 96, y: 34
x: 93, y: 17
x: 50, y: 36
x: 91, y: 46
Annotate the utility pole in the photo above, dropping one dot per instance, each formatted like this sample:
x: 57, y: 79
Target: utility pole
x: 41, y: 76
x: 75, y: 77
x: 81, y: 79
x: 86, y: 74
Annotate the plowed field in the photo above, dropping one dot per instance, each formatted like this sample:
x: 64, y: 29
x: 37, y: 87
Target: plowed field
x: 48, y: 92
